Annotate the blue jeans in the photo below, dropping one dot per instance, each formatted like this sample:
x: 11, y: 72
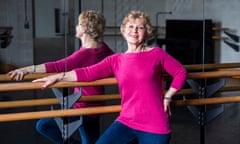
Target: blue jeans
x: 118, y: 133
x: 89, y: 130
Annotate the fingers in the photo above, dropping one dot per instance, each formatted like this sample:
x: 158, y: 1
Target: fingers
x: 45, y: 85
x: 42, y: 80
x: 47, y: 81
x: 38, y: 80
x: 11, y: 74
x: 17, y: 74
x: 167, y: 109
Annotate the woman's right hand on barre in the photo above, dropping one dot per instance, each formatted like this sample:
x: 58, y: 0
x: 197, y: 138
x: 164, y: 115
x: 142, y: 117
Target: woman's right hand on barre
x: 18, y: 74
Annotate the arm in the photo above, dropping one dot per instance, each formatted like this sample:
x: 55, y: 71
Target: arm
x: 175, y: 69
x: 179, y: 74
x: 73, y: 61
x: 65, y: 76
x: 19, y: 73
x: 94, y: 72
x: 168, y: 98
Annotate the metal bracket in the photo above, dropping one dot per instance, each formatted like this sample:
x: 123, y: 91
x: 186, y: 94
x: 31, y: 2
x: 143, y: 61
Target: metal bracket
x: 66, y: 102
x: 201, y: 92
x: 66, y: 127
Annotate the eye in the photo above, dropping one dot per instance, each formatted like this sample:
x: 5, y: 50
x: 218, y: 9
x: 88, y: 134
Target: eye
x: 131, y: 26
x: 141, y: 28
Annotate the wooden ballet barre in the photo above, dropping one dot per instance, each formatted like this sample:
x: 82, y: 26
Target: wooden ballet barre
x: 94, y: 98
x: 54, y: 101
x: 107, y: 109
x: 207, y: 101
x: 59, y: 113
x: 109, y: 81
x: 192, y: 67
x: 5, y: 77
x: 105, y: 97
x: 17, y: 86
x: 219, y: 38
x: 207, y: 67
x: 214, y: 74
x: 220, y: 28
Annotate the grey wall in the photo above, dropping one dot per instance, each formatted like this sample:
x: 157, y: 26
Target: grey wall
x: 222, y: 12
x: 20, y: 51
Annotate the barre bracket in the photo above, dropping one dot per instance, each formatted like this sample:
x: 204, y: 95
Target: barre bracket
x: 66, y: 127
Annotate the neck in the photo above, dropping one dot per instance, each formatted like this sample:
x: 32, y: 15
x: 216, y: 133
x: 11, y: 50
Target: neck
x: 88, y: 42
x: 139, y: 48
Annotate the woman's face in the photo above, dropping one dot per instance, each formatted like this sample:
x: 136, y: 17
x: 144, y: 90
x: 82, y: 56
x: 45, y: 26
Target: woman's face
x: 80, y: 30
x: 134, y: 31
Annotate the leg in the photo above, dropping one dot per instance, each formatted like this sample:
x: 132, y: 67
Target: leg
x: 49, y: 129
x: 117, y: 133
x: 151, y: 138
x: 134, y: 141
x: 90, y: 130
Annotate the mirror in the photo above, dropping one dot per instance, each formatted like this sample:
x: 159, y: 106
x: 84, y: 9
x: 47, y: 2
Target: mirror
x: 194, y: 32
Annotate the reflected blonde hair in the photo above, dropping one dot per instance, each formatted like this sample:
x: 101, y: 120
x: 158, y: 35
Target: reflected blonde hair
x: 94, y: 21
x: 133, y: 15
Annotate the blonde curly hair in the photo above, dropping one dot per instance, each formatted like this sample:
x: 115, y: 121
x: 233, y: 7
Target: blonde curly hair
x: 132, y: 15
x: 94, y: 22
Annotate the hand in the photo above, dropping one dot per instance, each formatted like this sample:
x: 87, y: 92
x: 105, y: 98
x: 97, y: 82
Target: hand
x: 49, y: 80
x: 166, y: 104
x: 18, y: 74
x: 167, y: 99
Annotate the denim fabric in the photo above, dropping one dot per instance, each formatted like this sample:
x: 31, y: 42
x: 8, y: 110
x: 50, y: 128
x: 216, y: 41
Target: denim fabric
x: 118, y: 133
x: 89, y: 131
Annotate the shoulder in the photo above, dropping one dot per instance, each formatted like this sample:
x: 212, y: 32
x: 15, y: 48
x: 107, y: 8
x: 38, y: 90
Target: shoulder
x: 158, y: 50
x: 160, y: 54
x: 105, y: 48
x: 114, y: 56
x: 82, y: 51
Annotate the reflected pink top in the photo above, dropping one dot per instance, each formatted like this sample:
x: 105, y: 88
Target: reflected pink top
x: 82, y: 58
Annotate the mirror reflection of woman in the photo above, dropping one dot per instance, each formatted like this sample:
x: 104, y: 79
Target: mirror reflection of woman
x: 145, y: 108
x: 89, y: 30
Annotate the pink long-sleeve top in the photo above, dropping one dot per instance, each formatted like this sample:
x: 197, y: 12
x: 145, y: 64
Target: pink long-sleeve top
x: 82, y: 58
x: 140, y: 78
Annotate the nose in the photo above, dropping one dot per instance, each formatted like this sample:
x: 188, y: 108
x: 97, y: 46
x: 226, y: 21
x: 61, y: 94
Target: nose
x: 135, y: 29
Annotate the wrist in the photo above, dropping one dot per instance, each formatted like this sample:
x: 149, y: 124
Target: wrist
x: 167, y: 98
x: 33, y: 69
x: 61, y: 77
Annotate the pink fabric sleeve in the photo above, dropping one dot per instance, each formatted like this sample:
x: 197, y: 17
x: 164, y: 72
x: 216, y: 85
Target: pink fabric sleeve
x: 176, y: 70
x: 66, y: 64
x: 94, y: 72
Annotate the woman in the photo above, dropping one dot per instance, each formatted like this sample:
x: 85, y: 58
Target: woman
x: 89, y: 30
x: 140, y: 75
